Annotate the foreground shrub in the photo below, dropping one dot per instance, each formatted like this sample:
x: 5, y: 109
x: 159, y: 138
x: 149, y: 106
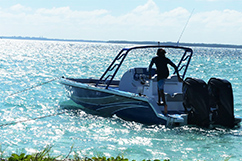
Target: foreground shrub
x: 45, y: 156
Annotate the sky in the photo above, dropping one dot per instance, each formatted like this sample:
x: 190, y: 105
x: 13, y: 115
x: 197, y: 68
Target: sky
x: 190, y: 21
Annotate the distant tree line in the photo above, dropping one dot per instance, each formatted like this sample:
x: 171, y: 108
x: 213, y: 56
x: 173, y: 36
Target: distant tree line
x: 127, y: 42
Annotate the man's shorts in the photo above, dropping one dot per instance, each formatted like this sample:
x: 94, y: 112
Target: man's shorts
x: 161, y: 84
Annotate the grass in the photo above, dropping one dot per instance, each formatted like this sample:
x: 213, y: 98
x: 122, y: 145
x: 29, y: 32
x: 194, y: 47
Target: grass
x: 45, y: 156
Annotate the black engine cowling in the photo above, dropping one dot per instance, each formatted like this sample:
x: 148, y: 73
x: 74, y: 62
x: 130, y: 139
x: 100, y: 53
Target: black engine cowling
x: 221, y: 101
x: 196, y: 101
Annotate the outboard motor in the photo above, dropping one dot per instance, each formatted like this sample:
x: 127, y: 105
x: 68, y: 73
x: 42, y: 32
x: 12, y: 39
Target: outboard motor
x: 221, y: 101
x: 196, y: 101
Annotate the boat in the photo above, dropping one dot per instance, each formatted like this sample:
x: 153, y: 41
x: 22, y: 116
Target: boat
x: 134, y: 96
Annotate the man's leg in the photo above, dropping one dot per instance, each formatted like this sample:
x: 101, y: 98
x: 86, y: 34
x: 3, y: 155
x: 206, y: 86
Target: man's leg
x: 159, y: 95
x: 164, y: 100
x: 160, y: 87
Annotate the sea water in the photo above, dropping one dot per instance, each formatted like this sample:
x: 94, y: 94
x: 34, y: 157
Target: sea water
x: 31, y: 116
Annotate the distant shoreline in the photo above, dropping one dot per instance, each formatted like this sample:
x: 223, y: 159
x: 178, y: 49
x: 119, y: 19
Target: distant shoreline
x: 127, y: 42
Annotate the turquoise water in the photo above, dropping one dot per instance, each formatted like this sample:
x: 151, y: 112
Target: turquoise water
x: 32, y: 119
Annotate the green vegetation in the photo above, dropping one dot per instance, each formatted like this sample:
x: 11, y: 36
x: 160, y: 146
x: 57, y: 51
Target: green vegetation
x: 23, y: 157
x: 45, y: 156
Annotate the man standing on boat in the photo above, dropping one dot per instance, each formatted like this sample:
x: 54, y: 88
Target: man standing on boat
x: 161, y: 62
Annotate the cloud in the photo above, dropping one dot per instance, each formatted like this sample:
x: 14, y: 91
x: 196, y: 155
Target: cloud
x: 212, y: 0
x: 145, y: 22
x: 143, y: 15
x: 214, y: 21
x: 149, y: 8
x: 216, y: 27
x: 66, y: 11
x: 19, y: 7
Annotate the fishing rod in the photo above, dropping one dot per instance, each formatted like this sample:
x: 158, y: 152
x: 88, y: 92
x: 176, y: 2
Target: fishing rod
x: 185, y: 27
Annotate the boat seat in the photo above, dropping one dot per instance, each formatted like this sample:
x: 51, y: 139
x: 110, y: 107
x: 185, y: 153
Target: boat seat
x: 172, y: 79
x: 176, y: 97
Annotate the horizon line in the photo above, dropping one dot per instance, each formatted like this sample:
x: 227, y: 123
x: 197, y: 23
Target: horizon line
x: 217, y: 45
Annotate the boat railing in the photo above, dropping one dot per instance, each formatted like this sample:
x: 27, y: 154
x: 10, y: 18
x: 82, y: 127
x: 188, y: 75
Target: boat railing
x: 185, y: 60
x: 184, y: 66
x: 107, y: 78
x: 116, y: 65
x: 121, y: 56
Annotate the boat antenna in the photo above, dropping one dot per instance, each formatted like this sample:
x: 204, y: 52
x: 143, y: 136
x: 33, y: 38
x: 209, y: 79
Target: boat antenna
x: 185, y: 27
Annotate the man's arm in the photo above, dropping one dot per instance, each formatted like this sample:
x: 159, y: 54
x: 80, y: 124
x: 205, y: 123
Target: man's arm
x: 150, y: 67
x: 176, y: 69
